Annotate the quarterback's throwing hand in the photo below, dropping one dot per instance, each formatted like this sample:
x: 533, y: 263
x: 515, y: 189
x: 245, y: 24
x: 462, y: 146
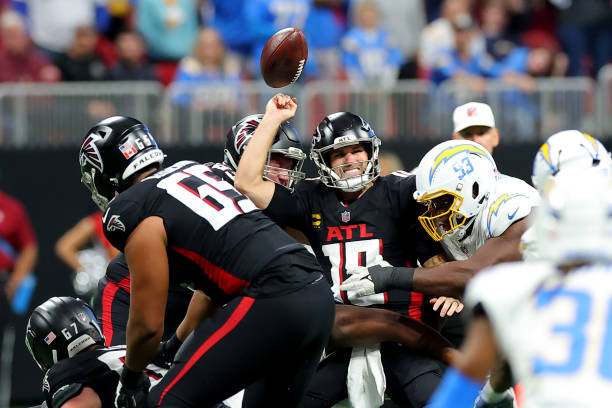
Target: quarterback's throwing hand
x: 132, y: 389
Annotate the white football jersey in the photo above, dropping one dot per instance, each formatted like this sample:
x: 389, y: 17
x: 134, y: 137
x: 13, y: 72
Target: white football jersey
x: 529, y: 247
x: 555, y: 329
x: 510, y: 200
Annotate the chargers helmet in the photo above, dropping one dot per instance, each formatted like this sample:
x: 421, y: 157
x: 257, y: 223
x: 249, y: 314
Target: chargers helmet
x: 60, y: 328
x: 286, y: 142
x: 113, y: 151
x: 574, y: 221
x: 568, y: 148
x: 454, y: 179
x: 339, y: 130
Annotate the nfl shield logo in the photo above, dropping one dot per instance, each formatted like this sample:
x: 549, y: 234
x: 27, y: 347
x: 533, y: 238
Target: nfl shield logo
x: 82, y: 316
x: 345, y: 216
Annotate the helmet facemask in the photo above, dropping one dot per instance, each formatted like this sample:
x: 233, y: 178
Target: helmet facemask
x: 99, y: 195
x: 442, y: 216
x: 286, y: 176
x: 336, y: 177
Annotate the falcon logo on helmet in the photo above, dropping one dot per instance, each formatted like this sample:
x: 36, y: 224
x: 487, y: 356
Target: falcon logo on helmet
x: 90, y: 154
x: 244, y: 134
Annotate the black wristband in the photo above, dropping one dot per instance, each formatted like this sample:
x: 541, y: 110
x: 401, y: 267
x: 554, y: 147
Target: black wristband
x: 130, y: 378
x: 391, y: 277
x: 401, y: 278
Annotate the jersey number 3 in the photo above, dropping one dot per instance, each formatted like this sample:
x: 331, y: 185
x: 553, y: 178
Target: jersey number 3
x: 576, y: 334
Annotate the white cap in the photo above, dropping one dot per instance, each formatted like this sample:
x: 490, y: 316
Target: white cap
x: 472, y: 114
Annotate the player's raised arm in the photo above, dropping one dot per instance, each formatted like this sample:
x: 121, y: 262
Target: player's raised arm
x: 249, y: 175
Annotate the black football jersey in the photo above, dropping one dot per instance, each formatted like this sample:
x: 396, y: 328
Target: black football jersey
x: 98, y: 369
x: 218, y: 241
x: 381, y: 224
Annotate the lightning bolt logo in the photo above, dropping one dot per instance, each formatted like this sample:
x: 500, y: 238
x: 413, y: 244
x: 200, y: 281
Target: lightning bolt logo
x: 497, y: 204
x: 449, y: 152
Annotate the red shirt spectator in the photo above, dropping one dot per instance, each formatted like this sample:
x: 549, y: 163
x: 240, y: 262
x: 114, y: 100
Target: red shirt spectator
x: 19, y: 61
x: 18, y: 246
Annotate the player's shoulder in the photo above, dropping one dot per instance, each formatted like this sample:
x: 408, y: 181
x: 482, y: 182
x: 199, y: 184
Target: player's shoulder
x: 398, y: 180
x: 309, y: 185
x: 511, y: 200
x: 503, y: 287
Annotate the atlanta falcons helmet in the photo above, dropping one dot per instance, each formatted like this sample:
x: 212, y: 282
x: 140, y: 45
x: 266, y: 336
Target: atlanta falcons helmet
x: 60, y: 328
x: 337, y: 131
x: 565, y: 149
x: 454, y: 179
x: 286, y: 143
x: 113, y: 151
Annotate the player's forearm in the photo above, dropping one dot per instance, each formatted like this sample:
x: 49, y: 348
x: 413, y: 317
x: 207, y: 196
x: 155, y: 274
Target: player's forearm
x: 251, y: 167
x: 200, y: 307
x: 358, y: 326
x: 448, y: 279
x: 142, y: 343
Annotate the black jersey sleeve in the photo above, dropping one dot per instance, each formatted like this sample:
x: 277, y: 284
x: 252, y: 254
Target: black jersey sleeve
x: 403, y: 186
x: 289, y: 209
x: 120, y: 219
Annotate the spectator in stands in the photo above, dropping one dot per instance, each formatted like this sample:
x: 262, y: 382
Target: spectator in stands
x: 52, y: 23
x: 208, y: 64
x: 265, y: 17
x: 368, y: 52
x: 460, y: 63
x: 19, y: 61
x: 439, y: 35
x: 132, y: 64
x: 325, y: 26
x: 18, y: 256
x: 168, y: 27
x: 80, y: 62
x: 498, y: 40
x: 404, y: 20
x: 221, y: 15
x: 85, y: 249
x: 475, y: 121
x: 585, y: 28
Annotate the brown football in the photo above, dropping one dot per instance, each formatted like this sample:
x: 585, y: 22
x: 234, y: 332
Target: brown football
x: 283, y: 57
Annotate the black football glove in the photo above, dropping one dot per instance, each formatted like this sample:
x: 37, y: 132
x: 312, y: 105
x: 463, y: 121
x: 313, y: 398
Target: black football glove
x: 166, y: 351
x: 132, y: 389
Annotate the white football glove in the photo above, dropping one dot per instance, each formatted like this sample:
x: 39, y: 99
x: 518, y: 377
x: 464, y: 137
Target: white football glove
x: 360, y: 283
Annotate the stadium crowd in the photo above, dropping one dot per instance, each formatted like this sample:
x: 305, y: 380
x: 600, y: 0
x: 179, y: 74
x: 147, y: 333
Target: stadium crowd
x: 359, y: 40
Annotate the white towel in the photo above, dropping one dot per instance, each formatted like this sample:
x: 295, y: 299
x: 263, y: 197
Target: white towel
x: 366, y: 380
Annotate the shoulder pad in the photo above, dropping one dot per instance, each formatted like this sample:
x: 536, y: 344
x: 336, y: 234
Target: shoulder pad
x: 492, y: 288
x: 65, y: 393
x: 509, y: 204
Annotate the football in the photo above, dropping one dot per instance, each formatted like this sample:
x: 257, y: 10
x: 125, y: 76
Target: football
x: 283, y: 57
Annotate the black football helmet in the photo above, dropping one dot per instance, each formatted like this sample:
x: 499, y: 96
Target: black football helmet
x: 339, y: 130
x: 287, y: 143
x: 113, y: 151
x: 60, y: 328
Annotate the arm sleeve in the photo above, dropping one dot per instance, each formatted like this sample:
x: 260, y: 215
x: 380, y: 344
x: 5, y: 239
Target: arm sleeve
x: 288, y: 209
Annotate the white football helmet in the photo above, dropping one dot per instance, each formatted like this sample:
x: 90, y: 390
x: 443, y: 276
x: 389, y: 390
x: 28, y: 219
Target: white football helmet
x: 454, y: 179
x: 574, y: 221
x: 568, y: 148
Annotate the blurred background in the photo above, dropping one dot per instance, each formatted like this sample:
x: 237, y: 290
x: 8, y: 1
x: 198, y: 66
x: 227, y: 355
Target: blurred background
x: 189, y: 69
